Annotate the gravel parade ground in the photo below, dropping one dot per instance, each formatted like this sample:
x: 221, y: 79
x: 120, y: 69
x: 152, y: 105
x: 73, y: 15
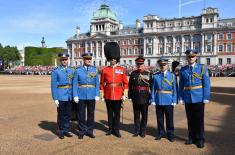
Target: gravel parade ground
x: 28, y: 124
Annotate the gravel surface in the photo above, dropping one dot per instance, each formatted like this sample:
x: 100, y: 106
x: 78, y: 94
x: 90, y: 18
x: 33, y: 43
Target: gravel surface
x: 28, y: 123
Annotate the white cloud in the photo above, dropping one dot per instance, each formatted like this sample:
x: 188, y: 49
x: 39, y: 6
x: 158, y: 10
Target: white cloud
x: 190, y: 2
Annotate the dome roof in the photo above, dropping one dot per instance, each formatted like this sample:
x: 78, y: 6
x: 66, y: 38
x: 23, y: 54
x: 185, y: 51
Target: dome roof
x: 104, y: 12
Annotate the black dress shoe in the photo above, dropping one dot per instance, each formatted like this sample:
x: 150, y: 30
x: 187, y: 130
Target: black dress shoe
x: 188, y: 142
x: 136, y: 134
x: 80, y: 136
x: 171, y: 139
x: 61, y: 136
x: 91, y: 135
x: 158, y: 137
x: 108, y: 133
x: 117, y: 134
x: 142, y: 135
x: 200, y: 144
x: 67, y: 134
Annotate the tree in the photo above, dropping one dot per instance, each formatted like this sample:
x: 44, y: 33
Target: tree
x: 10, y: 55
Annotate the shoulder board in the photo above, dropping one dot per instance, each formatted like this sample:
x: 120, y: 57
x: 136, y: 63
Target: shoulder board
x: 56, y: 68
x: 158, y: 72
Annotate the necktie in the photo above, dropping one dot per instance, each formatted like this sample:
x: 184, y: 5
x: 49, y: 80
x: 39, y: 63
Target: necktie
x: 191, y: 69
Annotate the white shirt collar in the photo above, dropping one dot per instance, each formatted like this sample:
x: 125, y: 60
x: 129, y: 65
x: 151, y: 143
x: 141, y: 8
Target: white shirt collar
x: 164, y: 72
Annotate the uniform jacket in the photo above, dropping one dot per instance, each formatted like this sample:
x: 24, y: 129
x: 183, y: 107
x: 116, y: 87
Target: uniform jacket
x: 86, y: 83
x: 164, y: 88
x: 197, y: 77
x: 139, y: 86
x: 61, y: 83
x: 110, y: 77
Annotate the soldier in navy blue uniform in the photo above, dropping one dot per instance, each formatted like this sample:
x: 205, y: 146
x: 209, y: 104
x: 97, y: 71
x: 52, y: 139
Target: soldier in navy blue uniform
x: 86, y: 91
x: 164, y: 96
x: 139, y: 93
x: 194, y: 92
x: 61, y: 89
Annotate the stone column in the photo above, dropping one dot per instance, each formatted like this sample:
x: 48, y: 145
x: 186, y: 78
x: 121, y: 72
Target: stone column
x: 202, y: 44
x: 191, y: 41
x: 182, y: 44
x: 174, y: 49
x: 72, y: 63
x: 102, y: 54
x: 215, y: 43
x: 96, y: 53
x: 144, y: 46
x: 155, y: 46
x: 85, y: 46
x: 165, y: 40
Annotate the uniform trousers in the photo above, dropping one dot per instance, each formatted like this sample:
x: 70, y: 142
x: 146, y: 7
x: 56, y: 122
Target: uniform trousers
x: 195, y: 120
x: 113, y: 110
x: 86, y: 109
x: 168, y: 112
x: 63, y: 116
x: 140, y: 110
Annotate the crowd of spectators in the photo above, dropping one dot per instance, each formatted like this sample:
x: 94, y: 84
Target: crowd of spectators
x: 214, y: 70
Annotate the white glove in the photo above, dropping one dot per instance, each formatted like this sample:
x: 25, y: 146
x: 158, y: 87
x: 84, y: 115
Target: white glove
x: 56, y: 103
x: 181, y: 102
x: 153, y: 103
x: 97, y: 98
x: 76, y: 99
x: 124, y: 98
x: 205, y: 101
x: 173, y: 104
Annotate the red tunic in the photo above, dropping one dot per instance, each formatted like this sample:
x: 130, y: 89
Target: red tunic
x: 113, y: 82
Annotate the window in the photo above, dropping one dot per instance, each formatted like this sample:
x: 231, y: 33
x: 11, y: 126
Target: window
x: 130, y: 62
x: 141, y: 41
x: 136, y: 41
x: 149, y: 62
x: 221, y: 37
x: 178, y: 49
x: 229, y: 36
x: 229, y: 48
x: 142, y: 51
x: 149, y: 40
x: 149, y: 51
x: 130, y: 51
x: 124, y: 61
x: 220, y: 61
x: 169, y: 50
x: 136, y: 51
x: 220, y: 48
x: 208, y: 48
x: 130, y: 42
x: 208, y: 36
x: 228, y: 60
x: 208, y: 61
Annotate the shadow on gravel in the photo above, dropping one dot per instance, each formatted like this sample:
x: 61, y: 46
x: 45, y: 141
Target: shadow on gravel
x: 49, y: 126
x: 223, y: 140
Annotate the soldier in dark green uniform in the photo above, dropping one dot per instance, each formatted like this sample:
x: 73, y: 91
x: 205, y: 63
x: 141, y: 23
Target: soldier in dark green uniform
x: 139, y: 94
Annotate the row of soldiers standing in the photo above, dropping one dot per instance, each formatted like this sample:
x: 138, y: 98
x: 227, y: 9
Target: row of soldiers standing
x: 160, y: 89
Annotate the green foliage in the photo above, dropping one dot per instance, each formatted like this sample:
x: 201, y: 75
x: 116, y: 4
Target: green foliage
x: 41, y: 56
x: 9, y: 55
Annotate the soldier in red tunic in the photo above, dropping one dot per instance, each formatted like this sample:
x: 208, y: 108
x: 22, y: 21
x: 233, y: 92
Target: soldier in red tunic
x: 114, y: 87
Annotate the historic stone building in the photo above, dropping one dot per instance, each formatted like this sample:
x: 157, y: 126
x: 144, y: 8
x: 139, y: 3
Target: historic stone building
x: 212, y: 36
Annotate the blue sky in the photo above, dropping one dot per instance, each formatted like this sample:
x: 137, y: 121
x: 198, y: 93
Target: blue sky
x: 24, y: 22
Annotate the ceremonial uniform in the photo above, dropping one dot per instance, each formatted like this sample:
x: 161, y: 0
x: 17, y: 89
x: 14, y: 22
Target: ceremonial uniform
x: 61, y: 89
x: 86, y: 87
x: 113, y: 82
x: 139, y: 93
x: 194, y: 91
x: 164, y: 96
x: 113, y: 86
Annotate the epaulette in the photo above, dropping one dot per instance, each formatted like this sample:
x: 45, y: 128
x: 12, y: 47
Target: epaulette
x: 156, y: 72
x: 56, y: 68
